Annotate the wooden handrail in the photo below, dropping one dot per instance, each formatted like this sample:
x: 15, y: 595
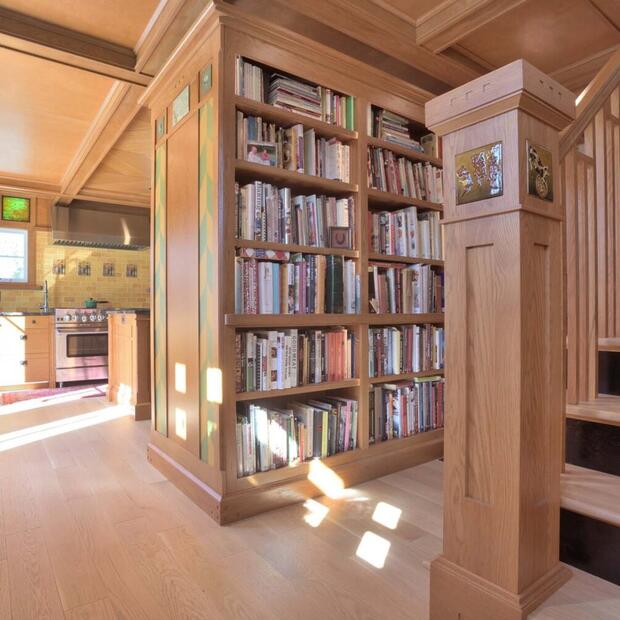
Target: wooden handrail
x: 590, y: 101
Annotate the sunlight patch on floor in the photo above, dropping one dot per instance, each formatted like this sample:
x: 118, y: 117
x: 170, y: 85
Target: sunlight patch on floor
x: 373, y: 549
x: 25, y: 436
x: 387, y: 515
x: 54, y: 399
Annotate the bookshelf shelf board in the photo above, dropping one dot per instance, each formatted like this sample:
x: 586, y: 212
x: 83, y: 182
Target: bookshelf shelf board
x: 286, y: 118
x: 387, y: 200
x: 404, y: 151
x: 406, y: 376
x: 406, y: 442
x: 290, y: 320
x: 299, y: 470
x: 248, y: 172
x: 302, y: 389
x: 290, y: 247
x: 392, y: 258
x: 404, y: 319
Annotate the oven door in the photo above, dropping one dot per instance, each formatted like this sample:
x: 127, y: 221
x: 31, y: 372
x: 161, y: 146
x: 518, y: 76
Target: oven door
x: 79, y: 348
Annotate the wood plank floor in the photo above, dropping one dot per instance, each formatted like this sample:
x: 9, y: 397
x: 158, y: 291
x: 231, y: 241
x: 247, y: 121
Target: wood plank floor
x: 88, y: 529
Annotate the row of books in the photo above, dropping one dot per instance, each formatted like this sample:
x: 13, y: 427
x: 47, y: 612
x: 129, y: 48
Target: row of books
x: 407, y: 289
x: 293, y: 94
x: 410, y: 348
x: 277, y: 360
x: 294, y: 148
x: 294, y: 283
x: 405, y: 408
x: 389, y: 173
x: 265, y: 212
x: 273, y: 437
x: 394, y: 128
x: 406, y: 233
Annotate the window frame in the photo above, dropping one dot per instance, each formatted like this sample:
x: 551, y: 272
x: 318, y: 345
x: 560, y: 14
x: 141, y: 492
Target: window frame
x: 30, y: 282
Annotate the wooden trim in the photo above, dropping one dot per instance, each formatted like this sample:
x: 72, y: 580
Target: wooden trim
x: 32, y: 36
x: 453, y: 20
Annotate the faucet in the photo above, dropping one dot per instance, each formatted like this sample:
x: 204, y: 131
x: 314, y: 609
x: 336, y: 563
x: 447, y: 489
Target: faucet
x: 45, y: 307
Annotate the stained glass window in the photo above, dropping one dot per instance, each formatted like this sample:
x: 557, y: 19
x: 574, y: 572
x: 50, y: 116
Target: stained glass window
x: 15, y: 209
x: 13, y: 255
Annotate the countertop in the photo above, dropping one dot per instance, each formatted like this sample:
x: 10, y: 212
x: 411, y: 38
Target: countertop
x: 127, y: 310
x: 51, y: 311
x: 28, y: 313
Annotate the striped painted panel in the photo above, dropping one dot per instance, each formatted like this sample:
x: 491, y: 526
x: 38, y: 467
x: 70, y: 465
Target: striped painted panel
x: 210, y: 377
x: 159, y: 290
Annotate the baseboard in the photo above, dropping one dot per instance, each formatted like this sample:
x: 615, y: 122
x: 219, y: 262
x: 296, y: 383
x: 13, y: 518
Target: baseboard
x: 230, y: 507
x: 458, y: 594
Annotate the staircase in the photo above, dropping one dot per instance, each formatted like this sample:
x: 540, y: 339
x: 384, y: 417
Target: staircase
x: 590, y: 515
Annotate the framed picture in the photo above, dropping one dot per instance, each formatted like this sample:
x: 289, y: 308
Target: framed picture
x: 539, y: 172
x: 180, y: 106
x: 340, y: 237
x: 479, y: 174
x: 264, y: 153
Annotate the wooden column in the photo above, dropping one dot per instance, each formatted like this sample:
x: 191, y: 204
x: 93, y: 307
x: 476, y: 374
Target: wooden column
x: 504, y: 329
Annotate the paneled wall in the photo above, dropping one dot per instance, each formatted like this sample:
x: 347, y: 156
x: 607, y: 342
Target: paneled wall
x: 591, y: 186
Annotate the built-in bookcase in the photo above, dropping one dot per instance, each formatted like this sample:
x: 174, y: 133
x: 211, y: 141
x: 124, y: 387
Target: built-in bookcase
x: 310, y: 167
x: 396, y: 251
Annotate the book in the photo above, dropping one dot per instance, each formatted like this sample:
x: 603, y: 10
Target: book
x: 300, y: 96
x: 404, y: 289
x: 388, y: 172
x: 393, y: 127
x: 264, y: 212
x: 269, y: 437
x: 296, y: 284
x: 405, y: 349
x: 405, y: 408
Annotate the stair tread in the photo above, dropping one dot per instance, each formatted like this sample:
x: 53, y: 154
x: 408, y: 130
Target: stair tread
x: 591, y: 493
x: 604, y: 410
x: 609, y: 344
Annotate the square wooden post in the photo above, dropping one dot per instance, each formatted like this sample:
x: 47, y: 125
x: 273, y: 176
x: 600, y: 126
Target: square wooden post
x: 504, y: 331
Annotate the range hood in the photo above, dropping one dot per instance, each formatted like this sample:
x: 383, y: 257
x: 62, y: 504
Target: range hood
x: 96, y: 225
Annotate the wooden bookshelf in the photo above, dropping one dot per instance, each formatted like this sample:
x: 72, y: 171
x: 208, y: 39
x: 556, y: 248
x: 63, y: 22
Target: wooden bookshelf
x: 388, y: 200
x: 392, y: 258
x: 286, y: 118
x: 194, y: 228
x: 406, y: 376
x: 404, y: 151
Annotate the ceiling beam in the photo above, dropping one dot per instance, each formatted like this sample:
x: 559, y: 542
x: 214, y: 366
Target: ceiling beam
x: 41, y: 189
x: 578, y: 75
x: 609, y: 10
x: 452, y: 20
x: 35, y: 37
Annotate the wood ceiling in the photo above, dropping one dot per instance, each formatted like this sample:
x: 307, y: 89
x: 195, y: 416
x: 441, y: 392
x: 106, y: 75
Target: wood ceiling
x: 72, y: 71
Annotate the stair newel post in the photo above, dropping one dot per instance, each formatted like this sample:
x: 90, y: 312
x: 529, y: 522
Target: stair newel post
x: 504, y: 331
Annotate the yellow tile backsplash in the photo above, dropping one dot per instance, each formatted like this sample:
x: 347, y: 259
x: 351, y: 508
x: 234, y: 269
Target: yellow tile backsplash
x: 69, y: 290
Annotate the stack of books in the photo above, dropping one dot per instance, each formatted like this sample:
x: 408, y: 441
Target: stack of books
x: 293, y: 148
x: 399, y: 175
x: 410, y: 348
x: 406, y: 408
x: 405, y: 289
x: 278, y: 360
x: 294, y: 94
x: 265, y: 212
x: 287, y: 283
x: 406, y: 233
x: 273, y: 437
x: 393, y: 128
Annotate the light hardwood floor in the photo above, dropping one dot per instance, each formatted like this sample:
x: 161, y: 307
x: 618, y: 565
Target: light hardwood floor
x: 88, y: 529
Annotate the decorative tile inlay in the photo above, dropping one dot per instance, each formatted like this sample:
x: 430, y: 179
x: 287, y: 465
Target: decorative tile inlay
x: 205, y: 81
x: 539, y: 172
x: 180, y: 106
x: 479, y: 174
x: 131, y: 271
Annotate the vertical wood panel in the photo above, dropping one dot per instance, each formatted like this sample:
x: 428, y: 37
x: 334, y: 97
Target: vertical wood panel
x: 182, y: 284
x: 611, y: 227
x: 582, y: 282
x: 591, y: 335
x: 601, y: 226
x: 614, y: 176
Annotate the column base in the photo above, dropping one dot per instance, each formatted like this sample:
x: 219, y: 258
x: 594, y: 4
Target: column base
x: 457, y: 594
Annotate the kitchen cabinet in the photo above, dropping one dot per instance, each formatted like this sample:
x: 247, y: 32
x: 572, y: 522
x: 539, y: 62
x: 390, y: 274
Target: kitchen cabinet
x: 26, y: 351
x: 129, y: 364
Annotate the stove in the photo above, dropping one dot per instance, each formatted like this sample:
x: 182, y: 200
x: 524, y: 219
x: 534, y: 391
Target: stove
x: 81, y: 344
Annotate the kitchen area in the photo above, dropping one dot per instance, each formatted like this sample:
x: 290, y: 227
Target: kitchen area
x: 74, y: 300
